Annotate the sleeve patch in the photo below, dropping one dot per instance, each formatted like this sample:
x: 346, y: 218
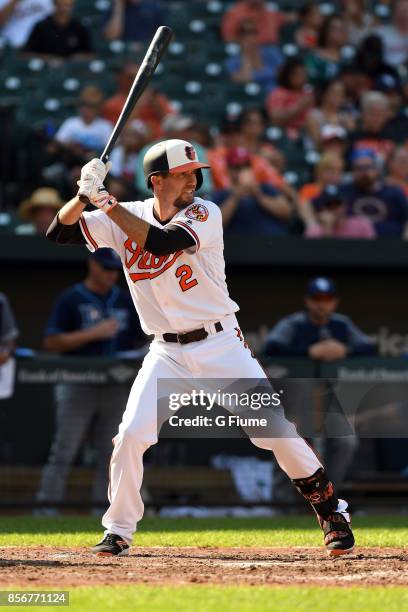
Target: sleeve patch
x: 198, y: 212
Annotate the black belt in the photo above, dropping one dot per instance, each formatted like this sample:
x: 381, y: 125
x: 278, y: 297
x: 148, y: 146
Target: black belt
x: 192, y: 336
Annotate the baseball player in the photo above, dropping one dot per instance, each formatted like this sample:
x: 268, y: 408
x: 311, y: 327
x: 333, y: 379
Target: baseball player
x: 171, y: 247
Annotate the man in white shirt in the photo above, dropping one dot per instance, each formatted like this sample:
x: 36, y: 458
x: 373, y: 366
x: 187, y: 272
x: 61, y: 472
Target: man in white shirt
x: 18, y: 17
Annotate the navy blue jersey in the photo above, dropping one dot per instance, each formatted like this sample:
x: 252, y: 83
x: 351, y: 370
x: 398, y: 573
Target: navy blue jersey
x: 386, y: 207
x: 79, y: 308
x: 250, y: 217
x: 293, y: 335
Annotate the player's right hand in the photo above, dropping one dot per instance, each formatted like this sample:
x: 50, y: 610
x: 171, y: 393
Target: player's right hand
x: 92, y: 176
x: 105, y: 330
x: 96, y: 168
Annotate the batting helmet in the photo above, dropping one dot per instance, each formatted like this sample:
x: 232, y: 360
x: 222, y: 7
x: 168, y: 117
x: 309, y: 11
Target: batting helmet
x: 172, y: 156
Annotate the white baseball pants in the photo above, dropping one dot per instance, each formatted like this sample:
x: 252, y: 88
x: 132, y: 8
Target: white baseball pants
x: 221, y: 355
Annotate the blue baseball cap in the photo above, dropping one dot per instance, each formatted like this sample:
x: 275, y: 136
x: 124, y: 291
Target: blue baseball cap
x: 321, y: 286
x: 360, y: 153
x: 107, y: 258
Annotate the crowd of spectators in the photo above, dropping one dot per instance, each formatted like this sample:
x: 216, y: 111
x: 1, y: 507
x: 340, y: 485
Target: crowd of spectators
x: 323, y: 154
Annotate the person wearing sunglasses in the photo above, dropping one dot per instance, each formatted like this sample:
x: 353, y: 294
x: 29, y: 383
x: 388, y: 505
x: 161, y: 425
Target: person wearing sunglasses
x: 332, y: 221
x: 368, y: 195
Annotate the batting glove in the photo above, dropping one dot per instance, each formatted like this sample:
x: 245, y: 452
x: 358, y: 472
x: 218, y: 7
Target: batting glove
x: 96, y: 168
x: 92, y: 177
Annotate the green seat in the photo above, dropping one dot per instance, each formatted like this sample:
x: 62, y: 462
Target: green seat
x: 42, y: 112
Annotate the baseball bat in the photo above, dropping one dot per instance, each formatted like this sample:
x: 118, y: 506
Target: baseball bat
x: 153, y: 56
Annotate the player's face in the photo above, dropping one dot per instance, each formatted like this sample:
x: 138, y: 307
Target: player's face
x: 320, y: 307
x: 180, y: 187
x: 104, y: 278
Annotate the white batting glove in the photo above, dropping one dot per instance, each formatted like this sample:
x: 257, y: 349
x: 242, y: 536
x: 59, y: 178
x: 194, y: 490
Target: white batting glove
x: 92, y: 176
x: 97, y: 168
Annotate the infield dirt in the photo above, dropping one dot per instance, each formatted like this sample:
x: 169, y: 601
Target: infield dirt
x: 59, y: 567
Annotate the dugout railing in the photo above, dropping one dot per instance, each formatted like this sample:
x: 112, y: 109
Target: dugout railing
x: 180, y: 474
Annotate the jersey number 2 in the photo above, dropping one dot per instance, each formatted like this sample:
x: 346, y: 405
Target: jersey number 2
x: 184, y: 273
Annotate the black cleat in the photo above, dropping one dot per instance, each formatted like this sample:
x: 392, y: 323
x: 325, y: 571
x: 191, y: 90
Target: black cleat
x: 338, y: 537
x: 111, y: 545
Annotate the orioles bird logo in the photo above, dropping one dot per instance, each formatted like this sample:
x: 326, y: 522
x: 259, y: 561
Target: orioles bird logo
x: 197, y: 212
x: 190, y: 153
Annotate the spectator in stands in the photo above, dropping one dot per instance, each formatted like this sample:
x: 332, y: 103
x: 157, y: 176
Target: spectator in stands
x: 369, y: 59
x: 93, y: 318
x: 319, y: 332
x: 268, y: 21
x: 8, y: 334
x: 125, y: 156
x: 134, y: 20
x: 18, y: 17
x: 255, y: 63
x: 328, y: 171
x: 60, y: 35
x: 397, y: 125
x: 310, y: 20
x: 78, y: 139
x: 125, y: 161
x: 324, y: 63
x: 357, y: 18
x: 333, y: 139
x: 246, y: 131
x: 371, y: 132
x: 290, y: 103
x: 368, y: 195
x: 331, y: 110
x: 356, y: 83
x: 252, y: 124
x: 395, y: 35
x: 151, y: 108
x: 332, y: 220
x: 38, y: 211
x: 248, y: 207
x: 86, y: 134
x: 398, y: 169
x: 174, y: 126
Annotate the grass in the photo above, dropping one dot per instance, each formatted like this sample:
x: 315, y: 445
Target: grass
x: 281, y: 531
x: 243, y: 598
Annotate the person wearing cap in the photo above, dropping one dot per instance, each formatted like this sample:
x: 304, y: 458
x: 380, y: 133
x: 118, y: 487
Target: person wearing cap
x: 171, y: 247
x: 368, y: 195
x: 372, y: 131
x: 93, y: 318
x: 87, y: 133
x: 322, y: 334
x: 179, y: 127
x: 38, y: 211
x: 249, y: 207
x: 332, y: 220
x: 318, y: 332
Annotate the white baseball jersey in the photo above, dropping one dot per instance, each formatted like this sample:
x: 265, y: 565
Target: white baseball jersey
x: 177, y: 292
